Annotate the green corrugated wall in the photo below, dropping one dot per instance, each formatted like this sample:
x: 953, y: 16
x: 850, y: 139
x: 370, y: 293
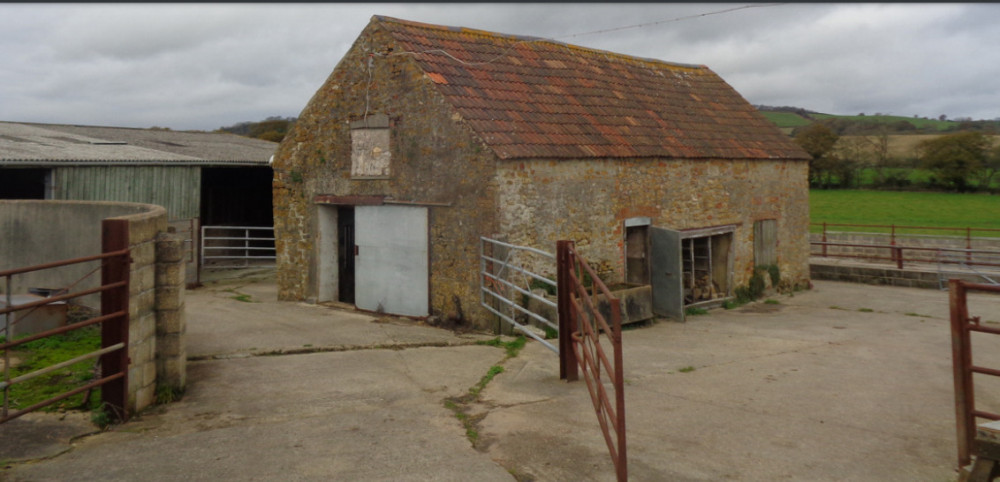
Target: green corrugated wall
x: 177, y: 188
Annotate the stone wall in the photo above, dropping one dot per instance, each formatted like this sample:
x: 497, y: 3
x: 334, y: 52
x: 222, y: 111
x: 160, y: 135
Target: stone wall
x: 438, y: 162
x: 909, y: 278
x: 435, y: 161
x: 589, y: 201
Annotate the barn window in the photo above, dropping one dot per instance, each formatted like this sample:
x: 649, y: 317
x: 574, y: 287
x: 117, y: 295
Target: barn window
x: 765, y: 242
x: 370, y: 154
x: 637, y: 251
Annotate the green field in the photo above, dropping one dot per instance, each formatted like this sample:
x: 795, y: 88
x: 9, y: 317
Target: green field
x: 934, y: 209
x: 791, y: 119
x: 920, y: 123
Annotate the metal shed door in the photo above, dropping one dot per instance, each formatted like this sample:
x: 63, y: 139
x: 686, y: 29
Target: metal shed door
x: 666, y: 273
x: 391, y: 266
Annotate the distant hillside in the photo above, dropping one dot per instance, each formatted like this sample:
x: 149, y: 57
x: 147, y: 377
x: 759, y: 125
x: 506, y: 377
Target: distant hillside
x: 790, y: 118
x: 271, y: 129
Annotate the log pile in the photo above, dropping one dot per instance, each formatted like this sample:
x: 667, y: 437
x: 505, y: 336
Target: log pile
x: 704, y: 289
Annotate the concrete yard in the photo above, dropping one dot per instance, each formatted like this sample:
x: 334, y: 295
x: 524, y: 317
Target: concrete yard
x: 843, y: 382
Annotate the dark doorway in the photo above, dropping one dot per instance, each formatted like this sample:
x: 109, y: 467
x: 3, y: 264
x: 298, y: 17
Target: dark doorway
x: 23, y: 183
x: 707, y: 267
x: 345, y: 253
x: 236, y: 196
x: 636, y: 255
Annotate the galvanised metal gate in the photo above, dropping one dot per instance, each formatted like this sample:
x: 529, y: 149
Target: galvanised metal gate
x: 227, y: 246
x: 505, y: 274
x: 114, y: 319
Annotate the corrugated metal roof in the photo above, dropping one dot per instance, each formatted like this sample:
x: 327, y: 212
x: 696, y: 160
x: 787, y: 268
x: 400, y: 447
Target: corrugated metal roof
x: 23, y: 144
x: 529, y: 97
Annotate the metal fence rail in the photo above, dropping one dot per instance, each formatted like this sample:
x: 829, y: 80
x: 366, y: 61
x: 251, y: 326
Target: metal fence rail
x: 114, y: 317
x: 946, y: 259
x: 229, y: 244
x: 896, y: 229
x: 897, y: 254
x: 962, y: 326
x: 581, y: 325
x: 503, y: 275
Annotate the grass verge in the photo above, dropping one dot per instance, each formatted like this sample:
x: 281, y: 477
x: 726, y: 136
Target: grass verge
x: 45, y: 352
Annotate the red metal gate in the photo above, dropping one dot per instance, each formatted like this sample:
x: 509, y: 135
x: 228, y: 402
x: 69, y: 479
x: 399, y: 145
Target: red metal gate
x: 114, y: 319
x: 580, y: 327
x: 962, y: 326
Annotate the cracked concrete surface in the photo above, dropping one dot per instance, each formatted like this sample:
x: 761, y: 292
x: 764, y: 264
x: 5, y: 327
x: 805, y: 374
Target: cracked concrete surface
x: 367, y: 405
x: 844, y: 382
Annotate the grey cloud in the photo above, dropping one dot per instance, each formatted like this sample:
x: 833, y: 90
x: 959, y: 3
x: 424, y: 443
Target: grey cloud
x: 202, y: 66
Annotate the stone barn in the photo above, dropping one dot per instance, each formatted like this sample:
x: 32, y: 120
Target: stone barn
x: 426, y: 137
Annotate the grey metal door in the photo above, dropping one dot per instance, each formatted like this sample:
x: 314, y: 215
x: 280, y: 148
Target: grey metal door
x: 391, y: 266
x: 666, y: 273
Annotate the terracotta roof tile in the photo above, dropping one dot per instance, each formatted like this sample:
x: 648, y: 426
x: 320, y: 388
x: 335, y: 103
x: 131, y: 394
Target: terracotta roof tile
x: 536, y: 98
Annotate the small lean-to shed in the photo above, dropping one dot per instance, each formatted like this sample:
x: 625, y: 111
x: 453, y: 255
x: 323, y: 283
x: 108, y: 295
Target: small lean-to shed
x: 426, y: 137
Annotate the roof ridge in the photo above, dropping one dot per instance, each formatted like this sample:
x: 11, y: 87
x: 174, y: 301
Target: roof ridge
x: 531, y: 39
x: 95, y: 126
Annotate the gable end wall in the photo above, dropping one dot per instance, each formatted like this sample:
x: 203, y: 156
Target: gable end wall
x: 436, y: 162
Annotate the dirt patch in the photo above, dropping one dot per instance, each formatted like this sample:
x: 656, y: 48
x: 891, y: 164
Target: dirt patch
x: 13, y: 361
x: 761, y: 308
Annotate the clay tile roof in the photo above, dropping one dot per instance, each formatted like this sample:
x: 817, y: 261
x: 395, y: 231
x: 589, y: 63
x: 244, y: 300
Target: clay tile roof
x: 528, y: 97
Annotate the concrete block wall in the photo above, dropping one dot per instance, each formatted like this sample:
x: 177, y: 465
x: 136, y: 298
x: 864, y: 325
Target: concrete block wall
x: 144, y: 229
x: 37, y: 232
x: 171, y: 323
x: 875, y: 276
x: 909, y: 278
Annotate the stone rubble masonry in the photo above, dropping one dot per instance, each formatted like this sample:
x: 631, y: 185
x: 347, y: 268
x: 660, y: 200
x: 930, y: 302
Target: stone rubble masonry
x: 171, y: 322
x: 589, y: 201
x: 437, y: 160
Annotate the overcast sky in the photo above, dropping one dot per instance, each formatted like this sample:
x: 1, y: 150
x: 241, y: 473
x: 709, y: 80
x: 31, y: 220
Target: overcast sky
x: 204, y: 66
